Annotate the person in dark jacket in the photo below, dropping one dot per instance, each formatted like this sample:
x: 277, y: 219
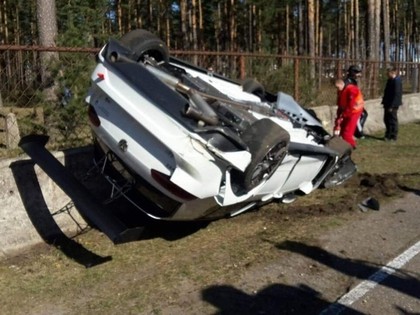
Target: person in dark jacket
x: 392, y: 100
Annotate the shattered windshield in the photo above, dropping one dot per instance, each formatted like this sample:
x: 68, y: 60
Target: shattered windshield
x: 297, y: 113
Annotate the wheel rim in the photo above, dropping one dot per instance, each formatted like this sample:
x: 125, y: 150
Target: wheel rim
x: 268, y: 164
x: 154, y: 55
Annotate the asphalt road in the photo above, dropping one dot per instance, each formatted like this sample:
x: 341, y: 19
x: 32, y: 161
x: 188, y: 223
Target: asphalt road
x: 394, y: 289
x: 367, y: 263
x: 370, y: 266
x: 312, y: 275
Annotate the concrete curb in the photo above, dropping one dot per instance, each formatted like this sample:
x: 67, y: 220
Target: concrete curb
x: 29, y: 197
x: 409, y: 112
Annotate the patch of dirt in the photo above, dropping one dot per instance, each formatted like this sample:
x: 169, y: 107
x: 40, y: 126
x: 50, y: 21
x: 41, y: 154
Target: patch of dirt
x: 343, y: 198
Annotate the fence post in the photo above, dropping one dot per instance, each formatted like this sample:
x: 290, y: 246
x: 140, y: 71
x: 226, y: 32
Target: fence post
x: 418, y: 78
x: 415, y: 84
x: 339, y: 70
x: 12, y: 131
x: 296, y: 79
x: 242, y: 67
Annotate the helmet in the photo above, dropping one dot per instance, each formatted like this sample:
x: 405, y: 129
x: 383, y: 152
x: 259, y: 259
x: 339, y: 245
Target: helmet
x: 354, y: 69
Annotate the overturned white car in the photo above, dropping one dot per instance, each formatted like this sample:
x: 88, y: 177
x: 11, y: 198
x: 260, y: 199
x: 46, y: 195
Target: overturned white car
x: 188, y: 144
x: 182, y: 143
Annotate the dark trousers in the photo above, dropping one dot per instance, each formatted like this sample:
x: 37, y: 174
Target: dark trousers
x: 391, y: 123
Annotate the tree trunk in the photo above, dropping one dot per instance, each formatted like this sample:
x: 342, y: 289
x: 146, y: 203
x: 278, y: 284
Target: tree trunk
x: 414, y: 32
x: 347, y: 31
x: 232, y: 26
x: 311, y: 36
x: 47, y: 29
x: 373, y: 44
x: 375, y: 90
x: 311, y: 28
x: 357, y: 52
x: 287, y: 29
x: 337, y: 47
x: 371, y: 30
x: 168, y: 28
x: 200, y: 26
x: 387, y: 35
x: 183, y: 12
x: 301, y: 28
x: 351, y: 23
x: 194, y: 24
x: 250, y: 27
x: 139, y: 19
x: 318, y: 29
x: 259, y: 29
x: 193, y: 15
x: 4, y: 27
x: 377, y: 29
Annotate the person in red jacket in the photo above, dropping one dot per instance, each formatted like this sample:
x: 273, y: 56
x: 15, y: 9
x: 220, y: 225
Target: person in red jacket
x: 350, y: 106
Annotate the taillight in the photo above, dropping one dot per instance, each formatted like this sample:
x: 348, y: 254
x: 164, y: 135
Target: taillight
x: 93, y: 116
x: 165, y: 181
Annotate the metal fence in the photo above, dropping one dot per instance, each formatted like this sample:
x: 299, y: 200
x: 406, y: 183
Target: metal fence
x: 29, y: 104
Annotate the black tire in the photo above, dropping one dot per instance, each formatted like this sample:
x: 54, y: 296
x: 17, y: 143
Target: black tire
x: 344, y: 168
x: 143, y: 43
x: 254, y: 87
x: 268, y: 144
x: 340, y: 146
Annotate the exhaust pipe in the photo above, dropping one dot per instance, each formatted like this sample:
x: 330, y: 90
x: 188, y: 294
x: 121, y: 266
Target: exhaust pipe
x: 200, y: 109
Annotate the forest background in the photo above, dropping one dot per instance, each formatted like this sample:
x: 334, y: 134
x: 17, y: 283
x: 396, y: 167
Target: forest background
x: 47, y: 46
x: 372, y: 29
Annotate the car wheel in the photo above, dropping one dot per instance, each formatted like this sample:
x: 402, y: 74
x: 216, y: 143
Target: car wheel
x: 268, y: 144
x: 254, y: 87
x: 143, y: 43
x: 340, y: 146
x: 344, y: 168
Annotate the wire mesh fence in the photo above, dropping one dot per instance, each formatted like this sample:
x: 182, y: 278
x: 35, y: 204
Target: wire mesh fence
x: 39, y: 98
x: 53, y: 105
x: 309, y: 80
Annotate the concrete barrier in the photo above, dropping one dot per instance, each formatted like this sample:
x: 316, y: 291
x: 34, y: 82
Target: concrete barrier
x: 29, y: 197
x: 408, y: 112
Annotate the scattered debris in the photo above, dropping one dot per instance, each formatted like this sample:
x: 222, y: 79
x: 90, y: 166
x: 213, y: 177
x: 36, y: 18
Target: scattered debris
x: 369, y: 204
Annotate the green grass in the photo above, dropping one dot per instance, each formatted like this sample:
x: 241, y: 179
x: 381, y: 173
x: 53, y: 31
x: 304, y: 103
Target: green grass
x: 375, y: 156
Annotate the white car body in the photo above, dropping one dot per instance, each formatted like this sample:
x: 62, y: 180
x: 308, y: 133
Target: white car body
x: 179, y: 173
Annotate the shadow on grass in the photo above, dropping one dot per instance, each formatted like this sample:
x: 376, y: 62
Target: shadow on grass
x: 42, y: 219
x: 408, y: 189
x: 153, y: 228
x: 172, y: 231
x: 374, y: 137
x: 276, y: 299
